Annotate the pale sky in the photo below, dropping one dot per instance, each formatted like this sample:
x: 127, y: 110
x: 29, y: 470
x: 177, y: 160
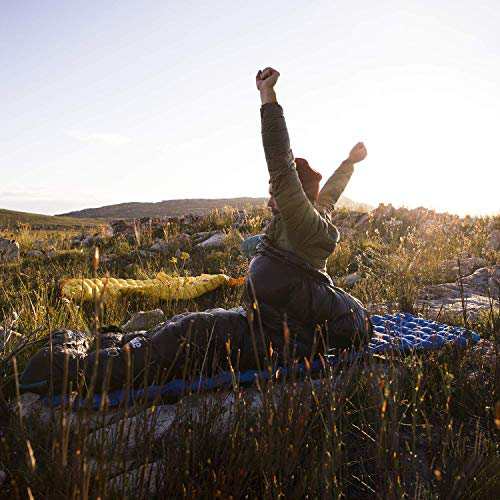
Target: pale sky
x: 106, y: 101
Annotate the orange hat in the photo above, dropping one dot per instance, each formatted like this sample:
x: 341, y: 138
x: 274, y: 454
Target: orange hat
x: 309, y: 178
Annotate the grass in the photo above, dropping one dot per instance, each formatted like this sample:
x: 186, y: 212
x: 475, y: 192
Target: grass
x: 419, y: 426
x: 10, y: 219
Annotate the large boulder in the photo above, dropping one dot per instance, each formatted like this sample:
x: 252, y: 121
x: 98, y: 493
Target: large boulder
x: 474, y: 291
x: 452, y: 270
x: 9, y: 250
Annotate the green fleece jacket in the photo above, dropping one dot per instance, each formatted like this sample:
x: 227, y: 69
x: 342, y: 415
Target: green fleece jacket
x: 301, y: 227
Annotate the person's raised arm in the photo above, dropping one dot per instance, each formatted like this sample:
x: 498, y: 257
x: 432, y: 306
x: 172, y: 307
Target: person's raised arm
x: 297, y: 211
x: 335, y: 185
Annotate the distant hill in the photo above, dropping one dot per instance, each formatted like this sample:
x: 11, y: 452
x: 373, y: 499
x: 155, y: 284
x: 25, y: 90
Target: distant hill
x: 9, y: 219
x: 170, y: 208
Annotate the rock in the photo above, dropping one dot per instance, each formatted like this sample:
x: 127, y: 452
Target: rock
x: 121, y: 227
x: 180, y: 241
x: 383, y: 212
x: 352, y: 279
x: 160, y: 246
x: 362, y: 220
x: 203, y: 236
x: 107, y: 258
x: 215, y: 241
x: 248, y: 246
x: 467, y: 266
x: 144, y: 320
x: 190, y: 219
x: 183, y: 240
x: 134, y: 429
x: 483, y: 281
x: 348, y: 220
x: 88, y: 241
x: 146, y: 253
x: 493, y: 242
x: 110, y: 469
x: 28, y: 404
x: 51, y: 253
x: 477, y: 290
x: 153, y: 227
x: 3, y: 477
x: 76, y: 242
x: 91, y: 241
x: 9, y: 250
x: 106, y: 231
x: 34, y: 253
x: 146, y: 478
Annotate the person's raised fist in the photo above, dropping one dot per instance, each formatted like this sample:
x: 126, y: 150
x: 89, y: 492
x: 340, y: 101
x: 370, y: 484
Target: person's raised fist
x: 358, y: 153
x: 266, y: 78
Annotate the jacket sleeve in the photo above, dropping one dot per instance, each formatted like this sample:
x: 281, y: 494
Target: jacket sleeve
x: 335, y: 185
x: 301, y: 219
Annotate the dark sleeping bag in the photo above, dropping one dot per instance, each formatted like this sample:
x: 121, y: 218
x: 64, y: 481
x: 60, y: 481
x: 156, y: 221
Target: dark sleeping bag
x: 281, y: 290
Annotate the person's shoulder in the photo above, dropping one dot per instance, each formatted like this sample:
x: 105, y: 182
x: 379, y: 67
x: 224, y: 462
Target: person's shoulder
x: 330, y: 230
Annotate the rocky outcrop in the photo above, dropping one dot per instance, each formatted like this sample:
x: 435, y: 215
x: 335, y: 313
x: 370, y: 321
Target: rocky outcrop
x: 454, y: 268
x: 475, y: 292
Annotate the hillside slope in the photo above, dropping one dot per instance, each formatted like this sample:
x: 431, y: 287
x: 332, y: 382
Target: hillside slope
x: 169, y: 208
x: 11, y: 218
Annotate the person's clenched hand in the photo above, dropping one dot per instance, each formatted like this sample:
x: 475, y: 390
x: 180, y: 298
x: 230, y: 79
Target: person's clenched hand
x: 358, y: 153
x: 266, y: 79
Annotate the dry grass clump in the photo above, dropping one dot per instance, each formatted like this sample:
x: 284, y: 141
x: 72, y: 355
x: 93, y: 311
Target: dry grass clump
x: 420, y: 426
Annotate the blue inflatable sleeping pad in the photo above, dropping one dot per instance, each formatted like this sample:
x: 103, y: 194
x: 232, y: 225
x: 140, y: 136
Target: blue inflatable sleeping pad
x: 393, y: 333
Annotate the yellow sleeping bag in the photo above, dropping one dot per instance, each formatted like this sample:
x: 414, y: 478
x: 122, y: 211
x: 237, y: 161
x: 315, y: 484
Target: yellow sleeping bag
x: 162, y: 287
